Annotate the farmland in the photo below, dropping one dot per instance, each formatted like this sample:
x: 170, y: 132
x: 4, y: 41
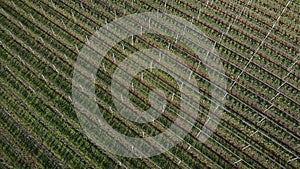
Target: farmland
x: 257, y: 43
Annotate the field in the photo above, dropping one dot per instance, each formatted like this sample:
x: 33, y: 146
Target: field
x: 258, y: 44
